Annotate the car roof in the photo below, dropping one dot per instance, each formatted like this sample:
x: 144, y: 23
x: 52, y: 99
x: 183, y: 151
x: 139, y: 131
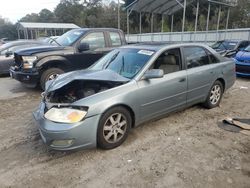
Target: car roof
x: 97, y: 29
x: 156, y: 46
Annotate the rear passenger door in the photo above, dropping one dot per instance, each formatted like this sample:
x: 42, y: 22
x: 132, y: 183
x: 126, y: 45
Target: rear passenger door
x: 200, y: 73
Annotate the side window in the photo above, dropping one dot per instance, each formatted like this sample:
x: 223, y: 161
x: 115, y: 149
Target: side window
x: 212, y: 58
x: 195, y: 57
x: 95, y: 40
x: 169, y: 61
x: 115, y: 39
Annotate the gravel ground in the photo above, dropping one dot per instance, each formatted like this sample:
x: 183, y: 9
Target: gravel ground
x: 184, y: 149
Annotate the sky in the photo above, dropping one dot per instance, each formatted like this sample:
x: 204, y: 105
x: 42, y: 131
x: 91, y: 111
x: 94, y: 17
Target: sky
x: 16, y: 9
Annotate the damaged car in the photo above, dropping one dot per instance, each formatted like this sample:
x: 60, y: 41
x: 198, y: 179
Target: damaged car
x: 128, y: 86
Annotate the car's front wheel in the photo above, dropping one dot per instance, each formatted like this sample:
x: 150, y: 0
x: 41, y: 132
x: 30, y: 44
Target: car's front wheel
x: 113, y: 128
x: 215, y: 95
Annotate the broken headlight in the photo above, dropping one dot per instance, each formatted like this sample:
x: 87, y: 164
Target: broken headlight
x: 65, y: 115
x: 28, y: 61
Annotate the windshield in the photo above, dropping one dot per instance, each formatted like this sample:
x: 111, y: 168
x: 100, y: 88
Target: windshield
x: 224, y: 45
x: 247, y: 49
x: 124, y: 61
x: 67, y: 39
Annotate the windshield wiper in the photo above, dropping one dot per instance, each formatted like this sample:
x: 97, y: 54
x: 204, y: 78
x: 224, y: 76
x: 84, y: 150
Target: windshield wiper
x: 122, y: 67
x: 111, y: 60
x: 54, y: 40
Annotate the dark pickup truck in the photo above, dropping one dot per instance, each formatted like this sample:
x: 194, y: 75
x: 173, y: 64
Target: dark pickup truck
x: 76, y: 49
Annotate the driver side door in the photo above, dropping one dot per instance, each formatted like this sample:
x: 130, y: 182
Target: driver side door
x: 97, y: 48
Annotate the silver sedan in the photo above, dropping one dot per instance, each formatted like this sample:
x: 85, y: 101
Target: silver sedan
x: 128, y: 86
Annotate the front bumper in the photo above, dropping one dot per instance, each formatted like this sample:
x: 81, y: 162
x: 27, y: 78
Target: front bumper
x: 242, y: 69
x: 82, y: 134
x: 30, y: 78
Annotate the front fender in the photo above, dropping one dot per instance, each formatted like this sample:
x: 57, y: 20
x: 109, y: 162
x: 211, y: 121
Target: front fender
x: 50, y: 59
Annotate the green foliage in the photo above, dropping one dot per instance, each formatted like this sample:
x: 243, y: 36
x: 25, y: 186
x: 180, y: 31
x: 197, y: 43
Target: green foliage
x: 7, y: 29
x: 95, y: 13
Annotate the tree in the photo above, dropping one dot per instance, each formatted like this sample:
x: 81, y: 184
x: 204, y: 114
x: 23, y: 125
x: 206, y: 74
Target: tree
x: 7, y: 29
x: 70, y: 11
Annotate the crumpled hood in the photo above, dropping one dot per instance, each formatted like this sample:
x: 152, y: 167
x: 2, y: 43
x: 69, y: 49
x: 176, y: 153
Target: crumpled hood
x: 243, y: 55
x: 39, y: 49
x: 87, y: 74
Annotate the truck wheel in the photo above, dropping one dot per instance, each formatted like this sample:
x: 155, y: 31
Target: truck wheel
x: 113, y: 128
x: 48, y: 75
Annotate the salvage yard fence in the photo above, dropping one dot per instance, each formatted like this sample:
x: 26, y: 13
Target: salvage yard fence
x: 207, y: 37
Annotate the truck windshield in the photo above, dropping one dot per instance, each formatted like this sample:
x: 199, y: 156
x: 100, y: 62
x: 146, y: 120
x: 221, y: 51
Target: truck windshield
x: 68, y: 38
x: 124, y: 61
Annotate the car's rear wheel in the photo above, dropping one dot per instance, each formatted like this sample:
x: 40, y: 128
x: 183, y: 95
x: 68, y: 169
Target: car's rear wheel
x: 113, y: 128
x: 215, y: 95
x: 49, y: 75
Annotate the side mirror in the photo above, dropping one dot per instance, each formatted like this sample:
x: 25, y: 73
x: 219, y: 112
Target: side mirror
x: 8, y: 54
x: 83, y: 47
x: 153, y: 73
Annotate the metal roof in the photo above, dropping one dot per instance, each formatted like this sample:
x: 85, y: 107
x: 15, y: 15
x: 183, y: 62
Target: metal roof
x: 34, y: 25
x: 167, y: 7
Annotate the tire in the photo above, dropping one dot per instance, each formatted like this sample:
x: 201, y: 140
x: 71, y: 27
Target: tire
x: 214, y: 95
x: 113, y: 128
x: 47, y: 74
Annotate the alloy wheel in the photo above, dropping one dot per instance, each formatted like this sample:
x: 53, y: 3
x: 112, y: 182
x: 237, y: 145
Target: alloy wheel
x: 215, y: 94
x: 114, y: 128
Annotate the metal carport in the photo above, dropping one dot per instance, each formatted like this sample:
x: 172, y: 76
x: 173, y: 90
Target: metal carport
x: 32, y: 30
x: 169, y: 7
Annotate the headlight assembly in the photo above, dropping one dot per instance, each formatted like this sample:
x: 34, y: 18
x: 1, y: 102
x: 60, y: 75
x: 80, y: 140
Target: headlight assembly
x: 65, y: 115
x: 28, y: 61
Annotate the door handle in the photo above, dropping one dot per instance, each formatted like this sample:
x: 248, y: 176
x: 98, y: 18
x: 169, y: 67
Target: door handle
x: 182, y: 80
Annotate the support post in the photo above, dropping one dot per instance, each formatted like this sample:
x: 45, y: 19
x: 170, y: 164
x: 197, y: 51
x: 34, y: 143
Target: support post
x: 162, y: 23
x: 31, y: 34
x: 18, y: 33
x: 128, y: 23
x: 172, y: 23
x: 183, y: 18
x: 196, y: 18
x: 208, y: 15
x: 26, y: 34
x: 218, y: 23
x: 152, y: 23
x: 228, y: 13
x: 140, y: 24
x: 118, y: 15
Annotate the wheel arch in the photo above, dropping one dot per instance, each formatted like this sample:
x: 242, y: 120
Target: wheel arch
x: 223, y: 82
x: 53, y: 62
x: 127, y: 107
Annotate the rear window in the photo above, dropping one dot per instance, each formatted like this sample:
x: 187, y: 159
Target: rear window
x: 115, y: 39
x: 195, y: 57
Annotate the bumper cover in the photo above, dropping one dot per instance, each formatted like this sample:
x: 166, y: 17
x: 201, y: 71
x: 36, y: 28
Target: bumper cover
x: 242, y: 69
x: 83, y: 134
x: 31, y: 78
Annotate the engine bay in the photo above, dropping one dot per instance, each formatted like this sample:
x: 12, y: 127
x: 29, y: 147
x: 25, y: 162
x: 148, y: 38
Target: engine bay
x: 79, y: 89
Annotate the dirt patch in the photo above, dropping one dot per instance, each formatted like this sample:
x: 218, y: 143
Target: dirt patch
x: 184, y: 149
